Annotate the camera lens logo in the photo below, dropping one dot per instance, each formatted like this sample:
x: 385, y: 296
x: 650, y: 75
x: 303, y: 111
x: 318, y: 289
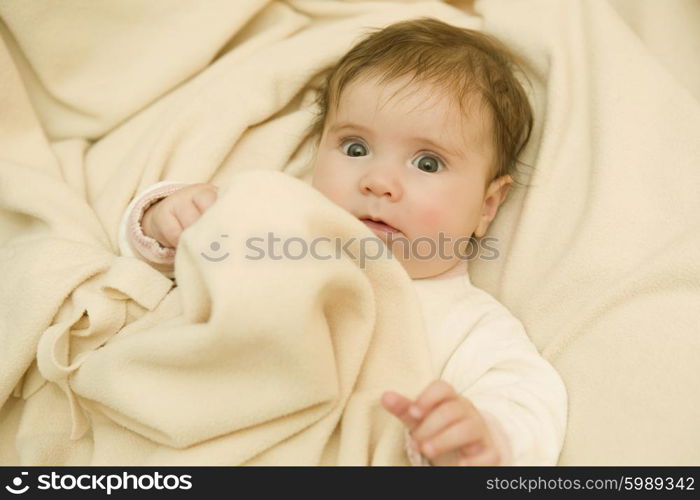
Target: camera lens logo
x: 215, y: 246
x: 17, y: 483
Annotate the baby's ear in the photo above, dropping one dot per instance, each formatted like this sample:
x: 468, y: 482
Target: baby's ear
x: 495, y: 195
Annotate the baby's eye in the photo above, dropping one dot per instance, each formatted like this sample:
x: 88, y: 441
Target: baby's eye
x: 428, y: 163
x: 354, y: 148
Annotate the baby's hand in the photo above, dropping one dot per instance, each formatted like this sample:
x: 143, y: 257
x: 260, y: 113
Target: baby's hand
x: 447, y: 428
x: 166, y: 219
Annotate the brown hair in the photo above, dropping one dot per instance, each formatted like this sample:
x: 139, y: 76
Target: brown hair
x: 462, y: 61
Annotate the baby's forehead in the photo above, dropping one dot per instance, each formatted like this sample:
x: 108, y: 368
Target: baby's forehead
x: 429, y: 108
x: 411, y: 94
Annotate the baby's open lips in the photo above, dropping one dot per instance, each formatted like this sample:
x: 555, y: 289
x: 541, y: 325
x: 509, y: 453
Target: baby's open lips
x: 378, y: 224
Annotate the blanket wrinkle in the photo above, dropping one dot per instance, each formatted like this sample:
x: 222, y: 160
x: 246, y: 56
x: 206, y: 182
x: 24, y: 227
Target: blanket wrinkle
x: 95, y: 311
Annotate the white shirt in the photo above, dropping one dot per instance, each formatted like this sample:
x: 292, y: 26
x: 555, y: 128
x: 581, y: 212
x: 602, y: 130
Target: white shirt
x: 483, y: 351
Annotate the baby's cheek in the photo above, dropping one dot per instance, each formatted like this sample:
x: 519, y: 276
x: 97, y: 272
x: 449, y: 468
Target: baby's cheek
x: 334, y: 191
x: 431, y: 220
x: 330, y: 190
x: 323, y: 181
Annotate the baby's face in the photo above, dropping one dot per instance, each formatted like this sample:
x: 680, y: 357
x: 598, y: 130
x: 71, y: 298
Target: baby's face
x: 412, y: 161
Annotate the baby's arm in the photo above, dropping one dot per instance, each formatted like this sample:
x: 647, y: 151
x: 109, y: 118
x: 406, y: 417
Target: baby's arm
x: 498, y: 403
x: 501, y: 372
x: 152, y: 223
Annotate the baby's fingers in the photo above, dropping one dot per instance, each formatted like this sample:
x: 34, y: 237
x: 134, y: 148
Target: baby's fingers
x: 487, y: 457
x: 204, y: 198
x: 432, y: 396
x: 457, y: 436
x: 398, y: 405
x: 165, y: 229
x: 439, y: 419
x: 186, y: 213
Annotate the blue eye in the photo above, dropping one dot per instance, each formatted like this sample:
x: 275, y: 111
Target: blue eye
x: 428, y: 163
x: 354, y: 148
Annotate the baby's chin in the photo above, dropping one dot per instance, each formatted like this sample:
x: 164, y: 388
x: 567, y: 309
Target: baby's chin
x: 433, y: 269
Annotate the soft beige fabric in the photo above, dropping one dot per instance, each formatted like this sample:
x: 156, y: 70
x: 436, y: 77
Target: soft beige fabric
x: 599, y: 256
x: 669, y: 30
x: 249, y: 361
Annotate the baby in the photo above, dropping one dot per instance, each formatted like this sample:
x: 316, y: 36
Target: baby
x: 419, y: 130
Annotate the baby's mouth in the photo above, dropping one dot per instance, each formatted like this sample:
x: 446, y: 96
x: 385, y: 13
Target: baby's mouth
x: 379, y: 225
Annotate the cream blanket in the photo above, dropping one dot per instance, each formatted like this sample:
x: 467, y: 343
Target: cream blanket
x: 284, y: 364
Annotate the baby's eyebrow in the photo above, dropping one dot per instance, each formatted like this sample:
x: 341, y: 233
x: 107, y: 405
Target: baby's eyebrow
x: 436, y: 145
x: 348, y: 125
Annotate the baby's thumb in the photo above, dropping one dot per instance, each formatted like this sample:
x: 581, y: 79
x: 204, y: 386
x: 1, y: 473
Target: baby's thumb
x: 398, y: 405
x: 204, y: 199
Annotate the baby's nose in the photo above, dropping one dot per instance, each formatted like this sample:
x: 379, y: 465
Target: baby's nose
x: 382, y: 181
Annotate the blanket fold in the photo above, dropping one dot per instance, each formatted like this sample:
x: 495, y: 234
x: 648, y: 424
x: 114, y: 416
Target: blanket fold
x: 262, y: 359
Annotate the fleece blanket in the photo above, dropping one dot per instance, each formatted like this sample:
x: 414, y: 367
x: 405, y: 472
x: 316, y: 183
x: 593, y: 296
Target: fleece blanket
x: 102, y: 361
x: 274, y: 348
